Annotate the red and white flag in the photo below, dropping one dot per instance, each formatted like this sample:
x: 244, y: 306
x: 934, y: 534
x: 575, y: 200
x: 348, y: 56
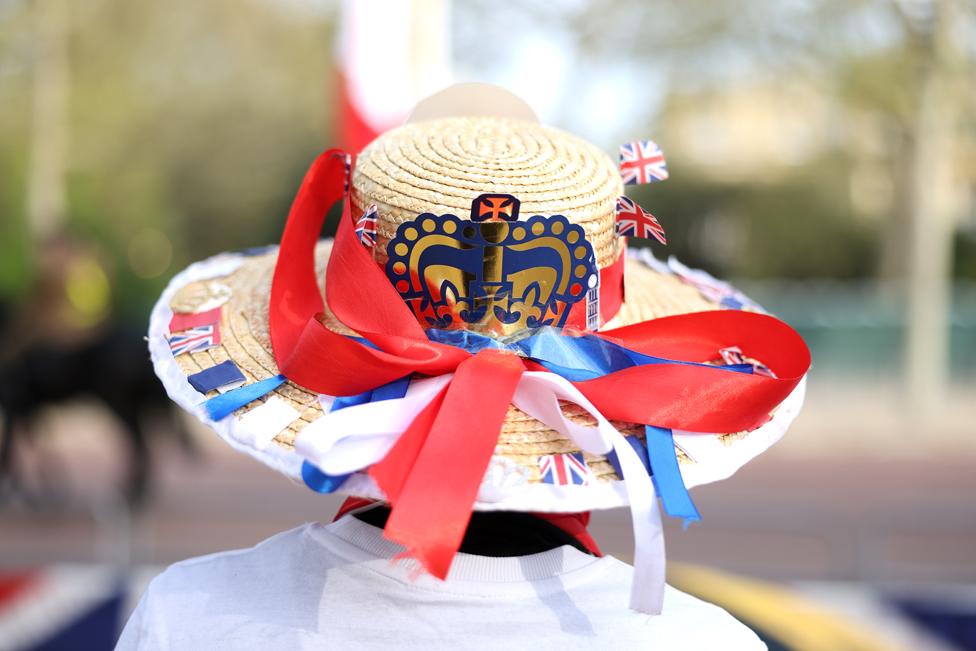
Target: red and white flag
x: 392, y: 53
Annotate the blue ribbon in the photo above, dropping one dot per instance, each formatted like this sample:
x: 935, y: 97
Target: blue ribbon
x: 666, y: 475
x: 321, y: 482
x: 577, y: 359
x: 219, y: 407
x: 639, y: 446
x: 585, y: 357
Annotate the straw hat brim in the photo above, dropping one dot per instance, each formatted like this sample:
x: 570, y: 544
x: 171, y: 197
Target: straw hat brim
x: 242, y: 282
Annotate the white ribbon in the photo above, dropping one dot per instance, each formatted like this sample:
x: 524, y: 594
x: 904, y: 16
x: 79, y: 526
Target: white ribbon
x: 261, y: 424
x: 538, y: 394
x: 344, y: 441
x: 347, y: 440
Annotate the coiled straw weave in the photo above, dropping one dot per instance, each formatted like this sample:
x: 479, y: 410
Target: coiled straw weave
x: 439, y: 166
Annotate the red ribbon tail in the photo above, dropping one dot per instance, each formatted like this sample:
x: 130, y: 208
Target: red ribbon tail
x: 391, y: 472
x: 432, y: 475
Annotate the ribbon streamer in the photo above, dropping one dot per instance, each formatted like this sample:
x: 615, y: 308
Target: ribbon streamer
x: 667, y: 476
x: 540, y: 399
x: 408, y: 473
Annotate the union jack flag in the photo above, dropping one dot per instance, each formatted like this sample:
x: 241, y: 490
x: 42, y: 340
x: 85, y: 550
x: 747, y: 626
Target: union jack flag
x: 194, y: 340
x: 642, y: 161
x: 634, y: 220
x: 565, y: 469
x: 366, y: 227
x: 734, y: 355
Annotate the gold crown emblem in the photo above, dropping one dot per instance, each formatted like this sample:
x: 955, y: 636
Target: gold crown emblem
x: 491, y: 273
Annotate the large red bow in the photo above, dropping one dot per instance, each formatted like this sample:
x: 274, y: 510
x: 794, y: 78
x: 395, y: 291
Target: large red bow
x: 432, y: 474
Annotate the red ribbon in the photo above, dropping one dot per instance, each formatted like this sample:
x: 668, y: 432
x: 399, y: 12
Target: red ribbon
x: 432, y: 475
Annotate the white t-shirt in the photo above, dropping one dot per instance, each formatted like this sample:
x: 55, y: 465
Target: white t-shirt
x: 336, y: 587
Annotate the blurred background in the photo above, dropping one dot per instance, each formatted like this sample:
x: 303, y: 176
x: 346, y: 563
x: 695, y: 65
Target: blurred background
x: 822, y: 157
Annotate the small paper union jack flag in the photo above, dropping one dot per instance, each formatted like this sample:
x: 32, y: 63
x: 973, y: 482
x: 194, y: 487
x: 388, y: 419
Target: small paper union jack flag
x: 194, y: 340
x: 634, y: 220
x: 734, y: 355
x: 642, y: 161
x: 366, y: 227
x: 565, y: 469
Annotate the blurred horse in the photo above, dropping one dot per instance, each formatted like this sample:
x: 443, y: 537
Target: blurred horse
x: 61, y: 345
x: 113, y: 369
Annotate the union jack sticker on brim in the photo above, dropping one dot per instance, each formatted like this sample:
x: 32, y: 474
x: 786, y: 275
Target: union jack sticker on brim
x: 565, y: 469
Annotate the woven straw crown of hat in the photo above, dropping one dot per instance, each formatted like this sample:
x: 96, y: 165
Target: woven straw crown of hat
x: 439, y: 166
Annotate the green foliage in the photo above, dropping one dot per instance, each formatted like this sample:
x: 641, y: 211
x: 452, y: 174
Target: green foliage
x: 15, y: 264
x: 798, y: 227
x: 195, y: 120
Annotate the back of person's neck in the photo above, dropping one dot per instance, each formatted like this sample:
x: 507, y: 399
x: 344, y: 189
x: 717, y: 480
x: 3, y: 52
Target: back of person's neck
x: 495, y: 533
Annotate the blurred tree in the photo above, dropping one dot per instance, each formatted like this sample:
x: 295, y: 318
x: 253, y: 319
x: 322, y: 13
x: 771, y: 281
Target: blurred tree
x: 187, y: 127
x: 888, y: 121
x: 46, y: 196
x: 838, y: 82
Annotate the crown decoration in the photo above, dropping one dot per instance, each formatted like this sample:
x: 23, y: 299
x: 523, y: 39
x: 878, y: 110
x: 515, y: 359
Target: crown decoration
x: 491, y: 273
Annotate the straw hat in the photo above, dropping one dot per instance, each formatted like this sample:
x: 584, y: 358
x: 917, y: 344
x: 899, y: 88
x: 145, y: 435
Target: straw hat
x: 439, y: 166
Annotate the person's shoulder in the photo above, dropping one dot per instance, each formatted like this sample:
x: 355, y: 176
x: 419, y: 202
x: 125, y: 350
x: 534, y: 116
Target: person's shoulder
x: 686, y: 622
x: 704, y: 623
x: 268, y: 561
x: 193, y: 602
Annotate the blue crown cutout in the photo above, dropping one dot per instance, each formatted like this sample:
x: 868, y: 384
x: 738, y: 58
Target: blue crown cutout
x: 491, y: 273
